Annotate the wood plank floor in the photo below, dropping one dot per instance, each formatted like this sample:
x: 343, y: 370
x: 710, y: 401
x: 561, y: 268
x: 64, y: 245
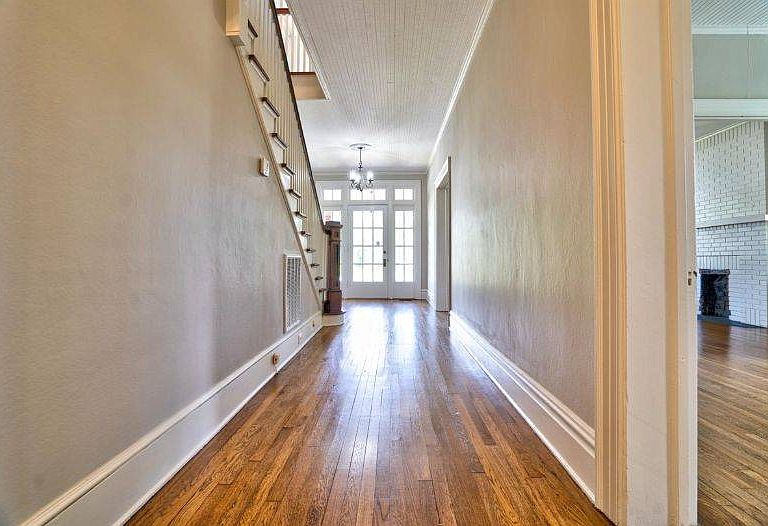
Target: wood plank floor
x: 384, y: 420
x: 733, y: 425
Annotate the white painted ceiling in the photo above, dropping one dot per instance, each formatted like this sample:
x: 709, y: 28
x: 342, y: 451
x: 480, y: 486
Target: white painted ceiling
x: 389, y: 68
x: 722, y: 14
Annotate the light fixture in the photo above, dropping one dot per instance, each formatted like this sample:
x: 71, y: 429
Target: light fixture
x: 360, y: 178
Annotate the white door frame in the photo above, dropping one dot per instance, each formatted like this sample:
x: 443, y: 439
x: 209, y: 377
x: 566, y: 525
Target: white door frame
x: 442, y: 192
x: 614, y: 31
x: 344, y: 204
x: 680, y: 145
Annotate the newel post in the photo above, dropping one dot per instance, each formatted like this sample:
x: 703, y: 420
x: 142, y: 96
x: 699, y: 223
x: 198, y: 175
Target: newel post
x: 332, y: 306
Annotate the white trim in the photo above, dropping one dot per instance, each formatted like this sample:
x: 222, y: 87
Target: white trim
x: 730, y: 108
x: 729, y: 30
x: 430, y: 297
x: 117, y: 489
x: 442, y: 219
x: 462, y: 75
x: 424, y: 294
x: 739, y: 220
x: 566, y: 435
x: 380, y: 175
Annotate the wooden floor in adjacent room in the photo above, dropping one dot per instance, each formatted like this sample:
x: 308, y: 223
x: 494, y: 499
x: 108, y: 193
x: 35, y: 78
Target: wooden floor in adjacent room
x: 385, y: 420
x: 733, y: 425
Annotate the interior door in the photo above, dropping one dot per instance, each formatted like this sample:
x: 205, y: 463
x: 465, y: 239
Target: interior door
x: 367, y: 260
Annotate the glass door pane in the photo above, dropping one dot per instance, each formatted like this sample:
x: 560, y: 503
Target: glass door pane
x: 368, y: 251
x: 403, y: 246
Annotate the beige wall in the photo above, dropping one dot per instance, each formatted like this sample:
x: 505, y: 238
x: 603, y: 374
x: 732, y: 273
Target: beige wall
x: 140, y: 256
x: 521, y: 189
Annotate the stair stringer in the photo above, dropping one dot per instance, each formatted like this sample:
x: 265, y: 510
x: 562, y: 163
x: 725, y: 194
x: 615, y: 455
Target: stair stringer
x: 242, y: 57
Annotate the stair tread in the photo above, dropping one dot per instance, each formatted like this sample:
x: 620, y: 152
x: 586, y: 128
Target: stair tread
x: 287, y: 168
x: 294, y: 193
x: 279, y: 140
x: 314, y: 265
x: 258, y: 67
x: 270, y: 106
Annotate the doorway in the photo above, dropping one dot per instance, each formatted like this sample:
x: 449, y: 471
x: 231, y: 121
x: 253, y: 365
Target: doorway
x: 381, y: 237
x: 443, y: 239
x: 369, y: 252
x: 729, y: 351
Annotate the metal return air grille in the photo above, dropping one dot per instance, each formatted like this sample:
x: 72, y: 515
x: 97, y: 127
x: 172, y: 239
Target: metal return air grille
x: 292, y: 292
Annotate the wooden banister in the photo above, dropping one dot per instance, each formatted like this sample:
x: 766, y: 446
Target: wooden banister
x: 296, y: 109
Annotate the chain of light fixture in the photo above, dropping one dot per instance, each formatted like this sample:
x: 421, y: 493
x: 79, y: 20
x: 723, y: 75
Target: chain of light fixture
x: 360, y: 178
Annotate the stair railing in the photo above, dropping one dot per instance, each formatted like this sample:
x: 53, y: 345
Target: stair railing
x: 254, y: 29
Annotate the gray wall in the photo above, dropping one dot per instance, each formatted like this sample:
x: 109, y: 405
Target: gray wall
x: 521, y: 190
x: 730, y: 66
x: 140, y: 256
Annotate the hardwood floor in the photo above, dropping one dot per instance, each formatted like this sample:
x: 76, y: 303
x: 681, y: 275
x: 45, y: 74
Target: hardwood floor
x: 384, y: 420
x: 733, y: 425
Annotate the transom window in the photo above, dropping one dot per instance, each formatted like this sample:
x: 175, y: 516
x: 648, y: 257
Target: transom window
x: 370, y: 194
x: 368, y: 246
x: 403, y: 246
x: 332, y: 194
x: 403, y: 194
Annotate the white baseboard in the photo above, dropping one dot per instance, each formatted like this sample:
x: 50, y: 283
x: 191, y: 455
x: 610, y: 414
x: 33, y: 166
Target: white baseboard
x: 117, y: 489
x: 424, y: 294
x: 430, y: 297
x: 333, y: 320
x: 566, y: 435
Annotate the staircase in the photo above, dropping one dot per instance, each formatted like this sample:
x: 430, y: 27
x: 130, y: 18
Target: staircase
x: 253, y: 28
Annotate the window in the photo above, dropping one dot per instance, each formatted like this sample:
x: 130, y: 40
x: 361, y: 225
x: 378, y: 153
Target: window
x: 370, y: 194
x: 368, y: 246
x: 332, y: 215
x: 404, y: 246
x: 403, y: 194
x: 332, y: 194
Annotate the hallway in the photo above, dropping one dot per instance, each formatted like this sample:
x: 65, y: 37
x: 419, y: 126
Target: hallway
x: 383, y: 420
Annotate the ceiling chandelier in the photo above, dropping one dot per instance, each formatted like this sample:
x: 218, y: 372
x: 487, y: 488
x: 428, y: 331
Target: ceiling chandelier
x: 360, y: 178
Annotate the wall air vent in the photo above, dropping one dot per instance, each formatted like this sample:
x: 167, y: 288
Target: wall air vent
x: 292, y: 291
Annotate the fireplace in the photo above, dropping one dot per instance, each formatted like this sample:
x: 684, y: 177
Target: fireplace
x: 713, y: 297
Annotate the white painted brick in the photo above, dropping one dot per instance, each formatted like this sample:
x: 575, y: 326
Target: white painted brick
x: 730, y: 183
x: 730, y: 173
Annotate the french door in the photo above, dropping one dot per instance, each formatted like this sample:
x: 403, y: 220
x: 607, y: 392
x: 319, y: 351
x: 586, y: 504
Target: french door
x: 368, y: 272
x: 381, y: 237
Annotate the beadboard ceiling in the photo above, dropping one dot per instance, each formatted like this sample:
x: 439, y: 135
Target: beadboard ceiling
x: 390, y: 68
x: 729, y: 14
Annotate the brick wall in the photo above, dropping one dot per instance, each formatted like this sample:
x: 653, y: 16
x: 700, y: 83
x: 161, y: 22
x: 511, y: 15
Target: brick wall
x: 742, y: 249
x: 730, y: 211
x: 730, y: 173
